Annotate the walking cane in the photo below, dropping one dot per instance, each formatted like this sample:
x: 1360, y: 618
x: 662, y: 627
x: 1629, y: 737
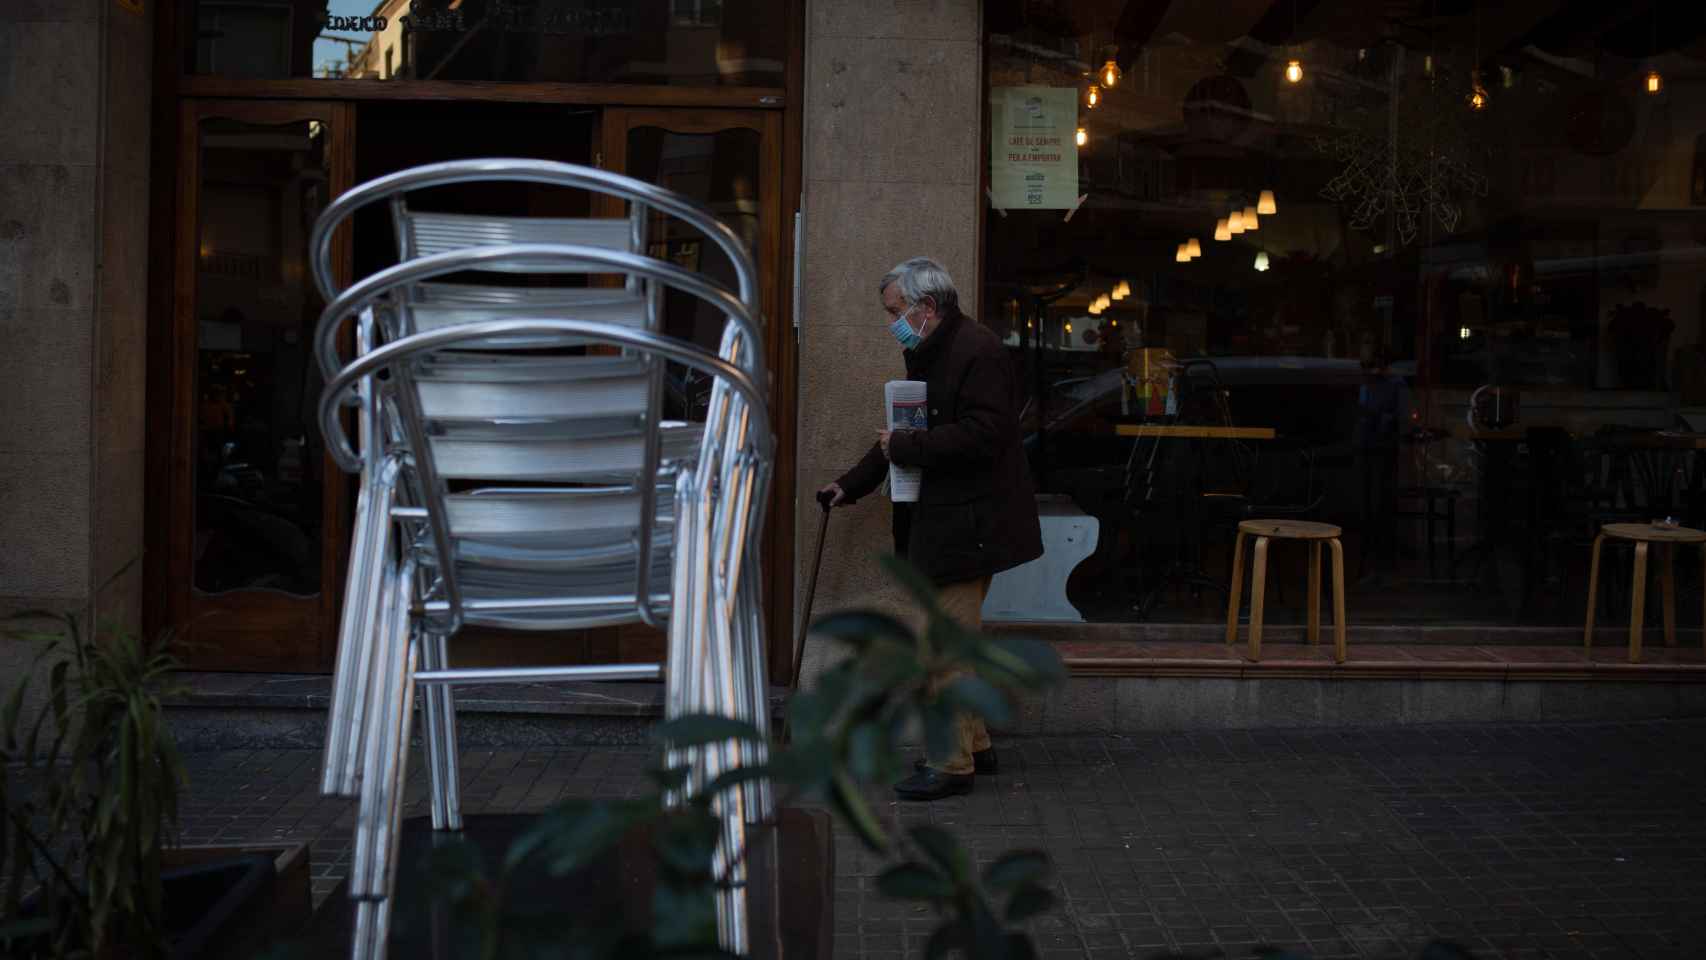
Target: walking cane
x: 823, y: 500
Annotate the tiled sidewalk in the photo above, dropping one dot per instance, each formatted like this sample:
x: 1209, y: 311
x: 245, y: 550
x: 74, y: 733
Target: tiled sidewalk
x: 1583, y: 841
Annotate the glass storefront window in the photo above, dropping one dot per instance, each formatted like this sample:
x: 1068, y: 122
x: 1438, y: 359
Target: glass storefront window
x: 670, y: 42
x: 1335, y: 225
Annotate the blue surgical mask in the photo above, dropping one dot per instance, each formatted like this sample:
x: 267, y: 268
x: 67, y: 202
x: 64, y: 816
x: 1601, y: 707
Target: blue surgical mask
x: 904, y: 333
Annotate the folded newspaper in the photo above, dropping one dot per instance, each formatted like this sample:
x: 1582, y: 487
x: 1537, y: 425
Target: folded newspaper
x: 905, y: 402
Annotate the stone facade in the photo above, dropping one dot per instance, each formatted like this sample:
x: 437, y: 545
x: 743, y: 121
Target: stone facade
x: 74, y: 102
x: 891, y: 171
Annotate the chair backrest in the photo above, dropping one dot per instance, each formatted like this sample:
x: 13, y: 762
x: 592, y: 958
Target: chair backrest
x: 738, y: 459
x: 587, y: 413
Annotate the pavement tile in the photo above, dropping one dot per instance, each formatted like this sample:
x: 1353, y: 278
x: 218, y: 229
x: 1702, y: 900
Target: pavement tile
x: 1545, y: 841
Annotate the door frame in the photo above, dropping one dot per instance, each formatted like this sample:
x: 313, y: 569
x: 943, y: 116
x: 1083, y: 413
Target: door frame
x: 175, y: 95
x: 241, y: 629
x: 776, y: 302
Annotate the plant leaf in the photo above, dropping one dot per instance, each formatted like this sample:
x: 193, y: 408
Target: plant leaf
x: 939, y: 845
x: 698, y: 729
x: 861, y: 628
x: 1028, y: 901
x: 915, y: 881
x: 1016, y: 868
x: 915, y: 582
x: 977, y: 696
x: 844, y: 795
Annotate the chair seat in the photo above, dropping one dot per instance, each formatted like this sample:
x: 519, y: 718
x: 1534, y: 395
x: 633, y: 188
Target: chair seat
x: 1653, y: 533
x: 1289, y: 529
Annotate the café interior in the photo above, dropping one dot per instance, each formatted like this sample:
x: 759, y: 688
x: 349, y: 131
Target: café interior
x: 1431, y: 268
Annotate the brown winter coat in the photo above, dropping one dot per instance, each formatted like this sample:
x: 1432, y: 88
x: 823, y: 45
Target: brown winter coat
x: 976, y: 513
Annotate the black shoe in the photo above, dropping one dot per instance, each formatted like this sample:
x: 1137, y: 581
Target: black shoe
x: 930, y: 784
x: 983, y: 760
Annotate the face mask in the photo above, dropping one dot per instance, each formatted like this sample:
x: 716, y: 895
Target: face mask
x: 904, y: 333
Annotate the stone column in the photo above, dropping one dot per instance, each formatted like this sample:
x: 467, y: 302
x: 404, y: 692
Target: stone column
x: 891, y: 172
x: 74, y: 105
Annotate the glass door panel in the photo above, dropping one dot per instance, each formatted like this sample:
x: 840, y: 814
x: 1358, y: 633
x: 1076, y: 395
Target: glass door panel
x: 729, y: 161
x: 258, y: 486
x: 256, y: 533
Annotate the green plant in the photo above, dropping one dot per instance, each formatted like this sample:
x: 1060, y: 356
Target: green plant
x: 90, y: 789
x: 846, y: 734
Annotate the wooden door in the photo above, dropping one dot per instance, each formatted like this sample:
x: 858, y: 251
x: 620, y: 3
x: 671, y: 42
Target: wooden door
x: 257, y: 530
x: 730, y: 161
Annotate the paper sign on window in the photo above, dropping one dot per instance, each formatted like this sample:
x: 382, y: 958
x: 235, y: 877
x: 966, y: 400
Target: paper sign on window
x: 1033, y: 159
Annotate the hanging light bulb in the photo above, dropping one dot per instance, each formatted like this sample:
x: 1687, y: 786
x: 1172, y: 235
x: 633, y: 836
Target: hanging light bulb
x: 1235, y: 222
x: 1114, y: 322
x: 1478, y: 98
x: 1110, y: 73
x: 1119, y: 291
x: 1104, y: 301
x: 1081, y: 137
x: 1092, y: 96
x: 1069, y: 326
x: 1294, y: 71
x: 1183, y: 254
x: 1655, y: 81
x: 1250, y: 221
x: 1030, y: 324
x: 1193, y: 248
x: 1265, y: 204
x: 1261, y: 261
x: 1221, y: 230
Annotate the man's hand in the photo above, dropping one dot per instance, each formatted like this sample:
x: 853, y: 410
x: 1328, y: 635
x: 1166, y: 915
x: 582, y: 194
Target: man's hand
x: 833, y: 493
x: 883, y: 441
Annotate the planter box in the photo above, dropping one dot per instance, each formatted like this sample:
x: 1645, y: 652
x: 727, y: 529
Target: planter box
x: 228, y: 911
x: 230, y: 902
x: 792, y: 886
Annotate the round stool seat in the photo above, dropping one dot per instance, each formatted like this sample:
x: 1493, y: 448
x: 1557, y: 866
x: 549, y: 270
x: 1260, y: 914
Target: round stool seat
x: 1653, y: 533
x: 1293, y: 529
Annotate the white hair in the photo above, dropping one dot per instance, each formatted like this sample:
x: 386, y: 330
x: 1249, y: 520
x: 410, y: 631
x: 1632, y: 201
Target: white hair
x: 922, y: 277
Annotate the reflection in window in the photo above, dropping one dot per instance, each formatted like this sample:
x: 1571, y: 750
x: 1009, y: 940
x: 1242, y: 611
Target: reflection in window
x: 675, y: 42
x: 258, y: 453
x: 1424, y: 205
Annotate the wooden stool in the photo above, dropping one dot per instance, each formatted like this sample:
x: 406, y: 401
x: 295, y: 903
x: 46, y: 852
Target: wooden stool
x: 1668, y: 538
x: 1314, y: 533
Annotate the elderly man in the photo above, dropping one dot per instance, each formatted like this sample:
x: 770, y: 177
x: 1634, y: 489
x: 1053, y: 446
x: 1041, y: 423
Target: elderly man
x: 976, y: 513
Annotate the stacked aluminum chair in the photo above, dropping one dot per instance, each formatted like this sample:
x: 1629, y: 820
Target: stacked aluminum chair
x: 578, y: 505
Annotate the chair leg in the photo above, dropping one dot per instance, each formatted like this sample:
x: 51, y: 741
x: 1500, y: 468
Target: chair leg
x: 1314, y: 614
x: 1258, y: 586
x: 1237, y: 591
x: 1339, y: 652
x: 1638, y: 603
x: 1593, y: 591
x: 1667, y: 586
x: 443, y: 763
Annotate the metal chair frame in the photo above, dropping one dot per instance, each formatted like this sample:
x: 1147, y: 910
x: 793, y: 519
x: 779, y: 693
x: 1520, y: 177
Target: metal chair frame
x: 405, y: 592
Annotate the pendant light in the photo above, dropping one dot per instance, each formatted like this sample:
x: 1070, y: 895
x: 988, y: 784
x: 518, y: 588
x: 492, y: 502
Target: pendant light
x: 1092, y: 96
x: 1261, y: 261
x: 1294, y: 67
x: 1193, y: 248
x: 1265, y: 204
x: 1655, y: 82
x: 1081, y: 137
x: 1235, y: 222
x: 1250, y: 220
x: 1110, y: 73
x: 1183, y: 254
x: 1221, y: 230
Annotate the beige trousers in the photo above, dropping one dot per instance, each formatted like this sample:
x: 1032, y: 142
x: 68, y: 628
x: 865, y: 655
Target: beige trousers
x: 963, y: 602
